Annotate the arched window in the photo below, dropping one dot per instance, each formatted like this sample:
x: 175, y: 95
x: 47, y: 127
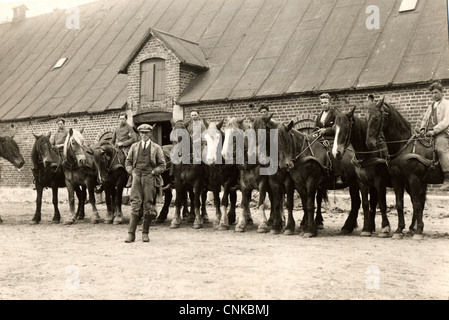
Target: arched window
x: 152, y: 80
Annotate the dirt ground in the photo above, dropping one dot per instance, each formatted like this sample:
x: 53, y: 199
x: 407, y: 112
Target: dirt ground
x: 86, y: 261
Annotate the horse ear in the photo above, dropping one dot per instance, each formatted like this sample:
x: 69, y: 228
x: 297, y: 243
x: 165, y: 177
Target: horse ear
x: 381, y: 103
x: 35, y: 136
x: 220, y: 124
x: 240, y: 121
x: 71, y: 132
x: 206, y: 123
x: 251, y: 119
x: 49, y: 134
x: 290, y: 125
x: 82, y: 130
x: 350, y: 114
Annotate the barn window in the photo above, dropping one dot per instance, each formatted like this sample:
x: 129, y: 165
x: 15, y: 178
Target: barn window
x: 408, y: 5
x: 152, y: 80
x: 60, y: 63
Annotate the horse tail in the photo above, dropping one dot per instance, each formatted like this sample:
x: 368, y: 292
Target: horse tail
x: 323, y: 194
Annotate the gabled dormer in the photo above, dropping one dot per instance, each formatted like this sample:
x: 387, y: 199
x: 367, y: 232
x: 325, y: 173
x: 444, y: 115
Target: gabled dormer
x: 159, y: 68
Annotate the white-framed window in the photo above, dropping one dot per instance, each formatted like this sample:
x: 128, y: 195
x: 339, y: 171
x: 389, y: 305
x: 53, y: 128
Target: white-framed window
x: 408, y: 5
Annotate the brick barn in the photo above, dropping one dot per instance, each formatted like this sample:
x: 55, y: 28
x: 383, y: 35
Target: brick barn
x: 157, y: 59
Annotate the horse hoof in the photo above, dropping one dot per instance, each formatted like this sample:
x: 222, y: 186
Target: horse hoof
x: 262, y: 230
x: 275, y: 232
x: 197, y: 225
x: 418, y: 237
x: 69, y: 223
x: 117, y: 222
x: 345, y: 232
x: 107, y: 221
x: 365, y: 234
x: 223, y: 228
x: 239, y: 229
x: 383, y: 235
x: 309, y: 235
x: 397, y: 236
x: 160, y: 220
x: 288, y: 232
x: 33, y: 222
x: 320, y: 226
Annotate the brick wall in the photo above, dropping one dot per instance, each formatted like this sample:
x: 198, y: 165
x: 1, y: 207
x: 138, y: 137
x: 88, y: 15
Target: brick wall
x: 94, y: 127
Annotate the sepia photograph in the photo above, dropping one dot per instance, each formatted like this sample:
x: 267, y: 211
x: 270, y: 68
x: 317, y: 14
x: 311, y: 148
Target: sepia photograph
x: 224, y: 155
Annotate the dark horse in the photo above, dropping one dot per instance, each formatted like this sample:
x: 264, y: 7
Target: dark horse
x: 411, y: 160
x: 308, y: 161
x: 10, y: 151
x: 220, y: 176
x: 188, y: 174
x: 370, y: 167
x: 168, y: 195
x: 79, y: 171
x: 110, y: 165
x: 249, y: 172
x: 47, y: 173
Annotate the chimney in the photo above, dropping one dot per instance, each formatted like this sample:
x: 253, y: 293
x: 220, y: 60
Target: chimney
x: 19, y: 13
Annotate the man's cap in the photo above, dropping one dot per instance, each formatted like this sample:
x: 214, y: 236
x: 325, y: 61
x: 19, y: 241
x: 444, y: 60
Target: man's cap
x: 60, y: 119
x: 145, y: 128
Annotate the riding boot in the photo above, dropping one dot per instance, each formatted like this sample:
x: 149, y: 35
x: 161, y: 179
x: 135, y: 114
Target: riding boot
x: 132, y: 228
x: 146, y: 228
x: 445, y: 186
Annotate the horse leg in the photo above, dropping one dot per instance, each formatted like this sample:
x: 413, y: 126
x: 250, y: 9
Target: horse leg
x: 71, y: 198
x: 303, y: 195
x: 382, y: 199
x: 180, y: 192
x: 91, y: 188
x: 198, y: 194
x: 81, y: 195
x: 222, y: 208
x: 290, y: 225
x: 37, y: 214
x: 108, y: 189
x: 57, y: 214
x: 118, y: 215
x: 368, y: 227
x: 168, y: 196
x: 233, y: 205
x: 203, y: 206
x: 241, y: 225
x: 311, y: 229
x: 418, y: 192
x: 399, y: 195
x: 351, y: 221
x: 185, y: 205
x: 319, y: 201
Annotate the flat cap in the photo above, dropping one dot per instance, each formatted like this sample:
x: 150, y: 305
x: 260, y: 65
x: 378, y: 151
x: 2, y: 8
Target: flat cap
x: 263, y: 106
x: 325, y: 96
x: 145, y: 128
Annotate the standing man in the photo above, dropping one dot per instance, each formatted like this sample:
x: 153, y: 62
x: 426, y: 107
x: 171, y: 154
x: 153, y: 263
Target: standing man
x: 58, y: 139
x: 325, y: 128
x: 123, y: 137
x: 146, y: 163
x: 435, y: 123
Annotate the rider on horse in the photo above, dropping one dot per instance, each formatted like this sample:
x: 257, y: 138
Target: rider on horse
x: 58, y: 140
x: 435, y: 123
x: 325, y: 128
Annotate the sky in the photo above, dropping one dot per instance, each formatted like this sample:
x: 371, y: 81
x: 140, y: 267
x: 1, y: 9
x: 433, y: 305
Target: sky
x: 36, y: 7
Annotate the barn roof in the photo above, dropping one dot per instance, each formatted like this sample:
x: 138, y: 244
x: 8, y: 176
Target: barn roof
x: 253, y: 48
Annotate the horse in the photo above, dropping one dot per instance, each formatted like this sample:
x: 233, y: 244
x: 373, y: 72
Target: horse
x: 412, y: 159
x: 279, y: 182
x: 307, y: 159
x: 47, y: 173
x: 168, y: 195
x: 110, y: 165
x: 189, y: 177
x: 370, y: 167
x: 249, y: 173
x: 80, y: 174
x: 10, y: 151
x: 220, y: 176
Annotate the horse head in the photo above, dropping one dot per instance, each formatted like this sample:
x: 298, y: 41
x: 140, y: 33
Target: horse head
x: 43, y: 151
x: 238, y: 129
x: 74, y: 145
x: 285, y: 146
x: 103, y: 153
x: 11, y: 152
x: 377, y: 113
x: 344, y: 124
x: 214, y: 139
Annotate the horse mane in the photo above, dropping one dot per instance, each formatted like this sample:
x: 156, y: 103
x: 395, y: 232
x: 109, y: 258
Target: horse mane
x: 77, y: 136
x: 399, y: 122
